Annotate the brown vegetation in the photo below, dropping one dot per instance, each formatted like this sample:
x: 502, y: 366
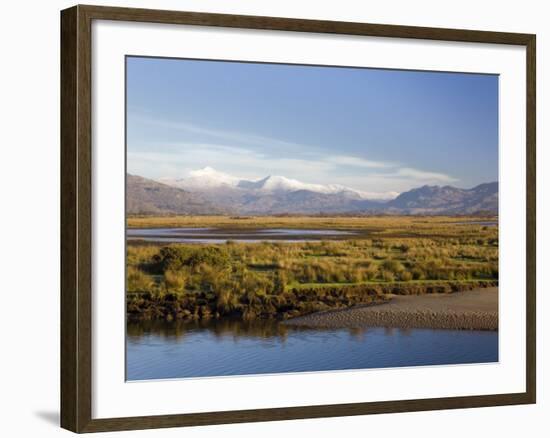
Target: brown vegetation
x: 283, y: 279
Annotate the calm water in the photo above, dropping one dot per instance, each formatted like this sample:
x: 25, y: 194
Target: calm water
x: 220, y: 235
x: 163, y: 350
x: 485, y: 223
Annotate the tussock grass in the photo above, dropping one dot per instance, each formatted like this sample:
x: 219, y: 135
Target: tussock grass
x: 267, y: 279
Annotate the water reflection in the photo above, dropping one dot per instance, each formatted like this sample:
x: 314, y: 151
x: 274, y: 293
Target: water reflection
x: 158, y: 349
x: 259, y: 329
x: 219, y: 328
x: 222, y: 235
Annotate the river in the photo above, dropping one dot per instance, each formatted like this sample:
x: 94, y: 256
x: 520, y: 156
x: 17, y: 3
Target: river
x: 163, y: 350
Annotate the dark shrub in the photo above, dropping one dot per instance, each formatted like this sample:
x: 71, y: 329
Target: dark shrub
x: 174, y: 258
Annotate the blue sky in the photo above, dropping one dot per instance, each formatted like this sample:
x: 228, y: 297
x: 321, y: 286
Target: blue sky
x: 370, y: 129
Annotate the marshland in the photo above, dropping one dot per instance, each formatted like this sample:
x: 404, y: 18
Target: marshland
x: 357, y: 260
x: 228, y: 297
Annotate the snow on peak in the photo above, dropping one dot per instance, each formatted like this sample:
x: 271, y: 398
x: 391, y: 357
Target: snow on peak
x: 208, y: 174
x: 200, y: 179
x: 208, y: 178
x: 283, y: 184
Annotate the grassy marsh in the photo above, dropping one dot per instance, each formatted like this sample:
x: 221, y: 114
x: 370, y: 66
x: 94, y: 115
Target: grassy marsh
x: 398, y: 255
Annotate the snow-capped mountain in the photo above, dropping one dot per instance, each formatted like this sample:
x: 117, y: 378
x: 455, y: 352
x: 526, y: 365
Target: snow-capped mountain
x: 278, y: 184
x: 207, y: 191
x: 208, y: 179
x: 200, y: 179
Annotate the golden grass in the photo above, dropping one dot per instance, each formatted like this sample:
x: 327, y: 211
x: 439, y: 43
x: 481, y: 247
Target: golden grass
x: 404, y: 253
x: 375, y: 223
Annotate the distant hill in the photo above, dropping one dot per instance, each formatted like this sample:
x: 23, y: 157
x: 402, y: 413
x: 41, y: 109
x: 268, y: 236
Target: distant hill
x: 145, y: 196
x: 207, y: 191
x: 302, y: 202
x: 446, y: 199
x: 275, y: 194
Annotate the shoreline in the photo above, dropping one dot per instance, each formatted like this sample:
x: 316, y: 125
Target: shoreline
x: 293, y: 303
x: 475, y: 309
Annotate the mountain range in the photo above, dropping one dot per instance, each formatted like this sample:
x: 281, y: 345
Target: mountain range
x: 207, y: 191
x: 208, y: 178
x: 446, y: 200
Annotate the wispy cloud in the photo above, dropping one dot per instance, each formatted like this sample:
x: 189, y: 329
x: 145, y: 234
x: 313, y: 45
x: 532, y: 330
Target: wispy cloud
x: 240, y: 138
x: 346, y: 160
x: 416, y: 174
x: 253, y: 156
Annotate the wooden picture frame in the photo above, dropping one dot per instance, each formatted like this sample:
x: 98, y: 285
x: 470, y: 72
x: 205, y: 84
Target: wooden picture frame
x: 76, y: 217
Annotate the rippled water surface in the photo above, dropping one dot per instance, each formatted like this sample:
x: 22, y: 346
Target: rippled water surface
x: 163, y: 350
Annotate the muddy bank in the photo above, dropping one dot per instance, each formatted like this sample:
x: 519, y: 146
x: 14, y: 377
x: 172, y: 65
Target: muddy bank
x: 469, y: 310
x: 286, y: 305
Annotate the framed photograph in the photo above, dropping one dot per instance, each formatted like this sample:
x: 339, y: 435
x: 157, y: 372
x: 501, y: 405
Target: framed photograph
x: 270, y: 218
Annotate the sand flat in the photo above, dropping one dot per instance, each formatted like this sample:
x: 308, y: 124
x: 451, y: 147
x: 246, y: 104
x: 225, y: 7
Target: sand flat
x: 469, y: 310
